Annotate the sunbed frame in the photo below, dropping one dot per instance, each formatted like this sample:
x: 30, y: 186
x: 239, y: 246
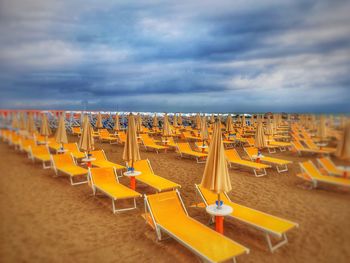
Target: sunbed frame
x: 272, y: 247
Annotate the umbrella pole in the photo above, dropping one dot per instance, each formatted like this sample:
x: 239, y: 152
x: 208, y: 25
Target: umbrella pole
x: 132, y: 178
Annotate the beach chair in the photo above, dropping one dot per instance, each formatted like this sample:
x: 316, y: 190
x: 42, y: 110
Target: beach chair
x: 102, y: 161
x: 149, y: 143
x: 65, y: 164
x: 309, y: 172
x: 14, y: 140
x: 282, y: 146
x: 184, y: 149
x: 74, y: 150
x: 299, y: 148
x: 233, y: 157
x: 270, y: 147
x: 269, y: 224
x: 148, y: 177
x: 76, y: 131
x: 25, y: 145
x: 41, y: 153
x: 105, y: 136
x: 121, y: 137
x: 281, y: 164
x: 311, y: 145
x: 105, y: 180
x: 166, y: 213
x: 327, y: 164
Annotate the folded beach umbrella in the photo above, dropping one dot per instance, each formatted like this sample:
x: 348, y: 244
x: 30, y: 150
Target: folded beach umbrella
x: 31, y: 128
x: 212, y: 119
x: 216, y: 177
x: 138, y: 123
x: 179, y: 119
x: 155, y: 121
x: 229, y: 124
x: 343, y: 148
x: 322, y: 129
x: 243, y: 121
x: 131, y: 152
x: 116, y: 123
x: 86, y: 142
x: 269, y: 128
x: 22, y: 121
x: 204, y: 129
x: 45, y: 128
x: 14, y: 124
x: 175, y: 121
x: 198, y: 121
x: 61, y: 134
x: 260, y: 140
x: 166, y: 127
x: 99, y: 124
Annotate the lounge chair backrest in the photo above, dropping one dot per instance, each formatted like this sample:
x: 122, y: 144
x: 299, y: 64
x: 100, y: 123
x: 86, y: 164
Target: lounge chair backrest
x: 105, y: 175
x: 297, y: 145
x: 72, y: 147
x: 211, y: 197
x: 61, y: 160
x: 184, y: 146
x: 143, y: 166
x: 327, y: 163
x: 165, y: 206
x: 310, y: 169
x: 251, y: 140
x: 99, y: 155
x: 232, y: 154
x: 28, y: 142
x: 40, y: 149
x: 310, y: 144
x: 251, y: 151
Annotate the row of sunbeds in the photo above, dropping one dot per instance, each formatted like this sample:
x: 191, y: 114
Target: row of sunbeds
x: 166, y: 209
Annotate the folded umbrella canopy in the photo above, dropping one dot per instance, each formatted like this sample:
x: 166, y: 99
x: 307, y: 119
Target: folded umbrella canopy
x: 243, y: 121
x: 343, y: 148
x: 216, y: 177
x: 322, y: 129
x: 229, y: 124
x: 14, y: 123
x: 175, y: 121
x: 198, y: 121
x: 131, y: 152
x: 212, y: 119
x: 260, y: 140
x: 138, y: 123
x: 86, y: 142
x: 166, y: 127
x: 155, y: 121
x: 31, y: 128
x: 179, y: 119
x: 61, y: 134
x: 45, y: 128
x: 99, y: 124
x: 116, y: 123
x: 22, y: 121
x: 204, y: 129
x: 269, y: 128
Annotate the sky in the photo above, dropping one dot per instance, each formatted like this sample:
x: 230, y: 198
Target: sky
x: 187, y: 56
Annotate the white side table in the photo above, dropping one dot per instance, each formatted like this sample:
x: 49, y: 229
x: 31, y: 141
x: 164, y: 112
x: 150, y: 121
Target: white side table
x: 219, y: 214
x: 88, y: 161
x: 131, y: 175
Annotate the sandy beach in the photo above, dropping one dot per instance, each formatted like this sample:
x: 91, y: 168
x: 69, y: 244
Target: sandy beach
x: 44, y: 219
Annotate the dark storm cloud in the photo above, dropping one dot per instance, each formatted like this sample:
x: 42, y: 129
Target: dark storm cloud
x: 160, y: 56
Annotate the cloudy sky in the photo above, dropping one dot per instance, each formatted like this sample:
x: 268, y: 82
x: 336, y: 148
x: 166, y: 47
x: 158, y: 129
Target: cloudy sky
x: 203, y: 55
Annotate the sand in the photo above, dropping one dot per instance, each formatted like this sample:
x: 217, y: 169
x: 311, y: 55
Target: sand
x: 44, y: 219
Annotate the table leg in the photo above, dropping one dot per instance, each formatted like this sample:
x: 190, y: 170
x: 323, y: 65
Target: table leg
x: 132, y: 182
x: 88, y: 164
x: 219, y: 224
